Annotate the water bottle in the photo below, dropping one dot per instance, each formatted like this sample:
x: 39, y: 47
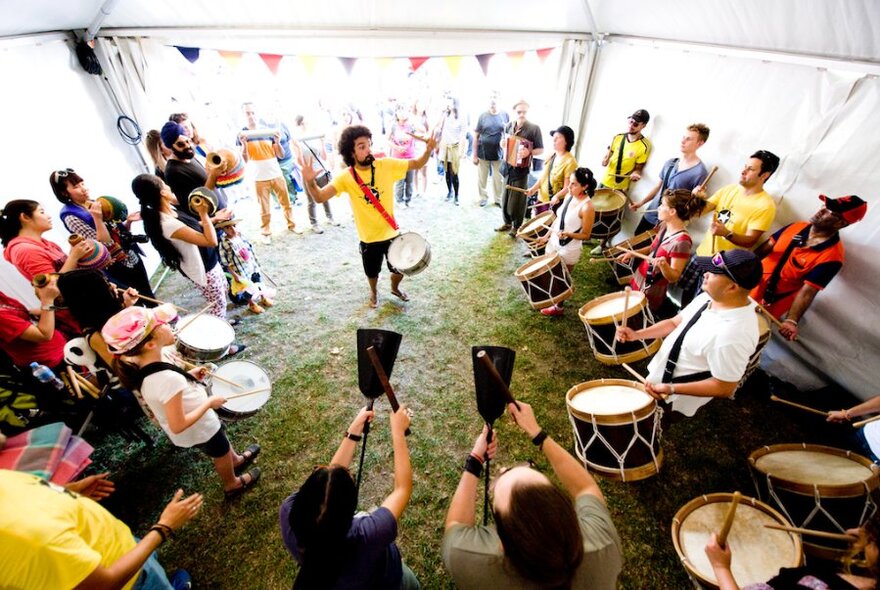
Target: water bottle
x: 44, y: 374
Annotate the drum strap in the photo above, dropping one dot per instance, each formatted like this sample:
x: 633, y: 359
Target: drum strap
x: 622, y: 137
x: 799, y: 239
x: 158, y: 367
x: 371, y: 197
x: 564, y: 241
x: 666, y: 178
x: 550, y: 173
x: 653, y: 273
x: 675, y: 351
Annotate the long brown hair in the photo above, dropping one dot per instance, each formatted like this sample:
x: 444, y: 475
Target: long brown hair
x: 686, y: 205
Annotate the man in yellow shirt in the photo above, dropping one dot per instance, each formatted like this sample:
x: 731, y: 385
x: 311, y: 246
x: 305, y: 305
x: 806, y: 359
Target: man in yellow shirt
x: 627, y: 154
x: 374, y: 218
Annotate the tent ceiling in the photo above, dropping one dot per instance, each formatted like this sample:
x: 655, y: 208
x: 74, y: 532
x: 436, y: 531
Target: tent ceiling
x: 844, y: 29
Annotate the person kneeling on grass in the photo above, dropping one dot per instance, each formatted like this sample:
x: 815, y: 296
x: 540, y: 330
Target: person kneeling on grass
x: 180, y: 403
x: 543, y: 537
x: 335, y: 547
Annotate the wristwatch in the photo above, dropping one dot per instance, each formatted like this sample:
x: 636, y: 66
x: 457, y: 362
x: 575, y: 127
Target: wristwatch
x: 48, y: 308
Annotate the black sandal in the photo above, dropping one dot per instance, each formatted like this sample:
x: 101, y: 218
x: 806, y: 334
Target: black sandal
x: 245, y: 485
x: 249, y: 454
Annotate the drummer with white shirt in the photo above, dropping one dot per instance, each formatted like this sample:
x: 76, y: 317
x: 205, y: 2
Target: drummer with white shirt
x: 708, y: 344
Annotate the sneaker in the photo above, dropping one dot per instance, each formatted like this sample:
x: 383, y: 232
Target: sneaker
x: 553, y: 311
x: 333, y: 222
x: 483, y: 203
x: 317, y: 230
x: 456, y: 201
x: 504, y: 227
x: 255, y: 307
x: 512, y: 232
x: 295, y: 230
x: 266, y: 240
x: 597, y: 251
x: 266, y: 302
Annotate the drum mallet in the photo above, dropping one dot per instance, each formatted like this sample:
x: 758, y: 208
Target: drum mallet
x: 383, y: 379
x: 861, y: 423
x: 626, y: 293
x: 246, y: 393
x: 632, y: 252
x: 728, y: 519
x: 419, y: 137
x: 799, y: 406
x: 516, y: 189
x: 634, y: 373
x: 708, y: 178
x: 811, y: 532
x: 192, y: 319
x: 151, y: 299
x: 595, y: 260
x: 766, y: 313
x: 190, y: 365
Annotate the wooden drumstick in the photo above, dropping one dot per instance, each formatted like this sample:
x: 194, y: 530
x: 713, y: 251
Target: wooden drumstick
x: 626, y: 292
x: 634, y: 373
x: 728, y: 520
x: 496, y: 377
x: 71, y: 378
x: 811, y: 532
x: 419, y: 137
x: 192, y: 319
x: 633, y: 253
x: 861, y: 423
x: 152, y: 300
x: 87, y: 386
x: 190, y: 365
x: 766, y: 313
x: 386, y: 384
x: 246, y: 393
x: 799, y: 406
x: 612, y: 259
x: 516, y: 189
x: 705, y: 183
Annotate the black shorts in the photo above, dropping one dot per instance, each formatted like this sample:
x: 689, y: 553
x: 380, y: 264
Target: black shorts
x: 216, y: 446
x: 372, y: 254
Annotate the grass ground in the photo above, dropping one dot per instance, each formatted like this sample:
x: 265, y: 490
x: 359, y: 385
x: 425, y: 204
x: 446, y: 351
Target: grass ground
x: 467, y: 296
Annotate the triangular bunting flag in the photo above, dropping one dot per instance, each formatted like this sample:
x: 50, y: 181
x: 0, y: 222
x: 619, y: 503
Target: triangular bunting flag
x: 384, y: 62
x: 544, y: 53
x: 190, y: 53
x: 516, y: 59
x: 309, y: 63
x: 416, y: 62
x: 348, y: 63
x: 483, y: 59
x: 453, y: 62
x: 232, y: 58
x: 272, y: 61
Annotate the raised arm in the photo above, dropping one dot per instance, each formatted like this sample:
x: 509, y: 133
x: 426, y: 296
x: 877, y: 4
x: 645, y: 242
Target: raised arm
x: 423, y: 159
x: 399, y: 497
x: 462, y: 509
x: 345, y: 453
x: 309, y: 174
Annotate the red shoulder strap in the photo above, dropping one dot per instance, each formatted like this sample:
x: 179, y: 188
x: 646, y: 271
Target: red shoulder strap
x: 368, y: 193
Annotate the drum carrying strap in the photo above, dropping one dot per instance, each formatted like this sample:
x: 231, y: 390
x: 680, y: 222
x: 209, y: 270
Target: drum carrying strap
x: 799, y: 239
x: 675, y: 351
x: 371, y: 196
x: 549, y: 174
x: 158, y: 367
x: 564, y: 241
x: 622, y: 137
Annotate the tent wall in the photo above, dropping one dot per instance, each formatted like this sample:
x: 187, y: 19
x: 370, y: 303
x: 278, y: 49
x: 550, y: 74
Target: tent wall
x: 818, y: 120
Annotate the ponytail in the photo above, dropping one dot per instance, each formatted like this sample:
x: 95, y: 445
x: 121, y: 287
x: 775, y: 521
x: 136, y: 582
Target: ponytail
x: 585, y: 177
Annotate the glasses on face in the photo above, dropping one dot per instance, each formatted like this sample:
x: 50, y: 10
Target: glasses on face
x: 521, y: 112
x: 718, y: 262
x: 59, y: 174
x: 181, y: 143
x: 634, y: 122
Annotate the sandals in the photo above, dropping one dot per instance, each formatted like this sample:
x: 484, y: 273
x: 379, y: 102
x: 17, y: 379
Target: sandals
x: 400, y: 295
x: 249, y: 454
x: 245, y: 485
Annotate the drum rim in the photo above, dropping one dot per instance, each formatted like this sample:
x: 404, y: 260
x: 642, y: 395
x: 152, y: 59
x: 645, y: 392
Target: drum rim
x: 239, y: 413
x: 521, y: 232
x: 609, y: 319
x: 627, y: 243
x: 187, y: 345
x: 548, y: 257
x: 700, y: 501
x: 641, y: 413
x: 629, y: 357
x: 859, y: 488
x: 613, y: 191
x: 421, y: 264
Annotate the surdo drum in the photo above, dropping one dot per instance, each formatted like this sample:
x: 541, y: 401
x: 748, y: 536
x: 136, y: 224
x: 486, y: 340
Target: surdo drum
x: 616, y: 428
x: 604, y: 314
x: 759, y: 552
x: 610, y: 205
x: 207, y: 338
x: 409, y: 253
x: 250, y: 377
x: 534, y: 229
x: 545, y: 280
x: 623, y: 272
x: 817, y: 487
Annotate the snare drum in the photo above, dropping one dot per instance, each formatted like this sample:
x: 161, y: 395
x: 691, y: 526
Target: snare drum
x: 623, y: 272
x: 534, y: 229
x: 610, y: 205
x: 763, y: 339
x: 409, y: 253
x: 817, y: 487
x: 616, y: 428
x: 603, y: 315
x: 545, y: 280
x: 250, y: 377
x: 207, y: 338
x: 759, y: 552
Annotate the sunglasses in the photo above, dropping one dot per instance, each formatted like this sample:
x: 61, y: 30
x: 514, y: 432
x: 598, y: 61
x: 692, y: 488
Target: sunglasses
x: 60, y: 174
x: 718, y: 262
x: 182, y: 143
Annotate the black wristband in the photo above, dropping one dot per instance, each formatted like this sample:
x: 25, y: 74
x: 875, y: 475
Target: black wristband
x: 539, y: 439
x: 161, y: 530
x: 354, y: 437
x: 473, y: 466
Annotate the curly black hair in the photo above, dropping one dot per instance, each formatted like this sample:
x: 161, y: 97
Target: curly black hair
x: 347, y: 138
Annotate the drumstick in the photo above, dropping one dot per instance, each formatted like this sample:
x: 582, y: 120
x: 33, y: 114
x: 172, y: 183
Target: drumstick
x: 152, y: 300
x: 248, y: 392
x: 811, y: 532
x: 496, y: 377
x: 634, y: 373
x: 626, y: 291
x: 386, y: 384
x: 728, y: 520
x: 799, y: 406
x: 633, y: 253
x: 87, y: 386
x: 612, y: 259
x: 71, y: 377
x: 861, y: 423
x: 766, y: 313
x: 192, y: 319
x: 419, y: 137
x: 189, y: 365
x: 516, y: 188
x: 703, y: 184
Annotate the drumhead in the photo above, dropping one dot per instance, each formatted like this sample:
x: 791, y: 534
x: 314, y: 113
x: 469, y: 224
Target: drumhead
x: 612, y: 305
x: 206, y: 332
x: 249, y: 376
x: 813, y: 467
x: 608, y: 400
x: 544, y: 219
x: 538, y: 265
x: 606, y: 199
x: 760, y: 552
x: 407, y: 250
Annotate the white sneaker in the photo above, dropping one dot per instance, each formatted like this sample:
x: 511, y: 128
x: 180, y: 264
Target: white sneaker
x: 266, y: 240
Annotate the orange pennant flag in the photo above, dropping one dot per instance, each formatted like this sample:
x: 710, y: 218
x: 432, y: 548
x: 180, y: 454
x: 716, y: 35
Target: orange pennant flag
x: 516, y: 59
x: 232, y: 58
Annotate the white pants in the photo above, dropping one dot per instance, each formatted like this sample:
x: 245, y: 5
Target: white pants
x: 497, y: 180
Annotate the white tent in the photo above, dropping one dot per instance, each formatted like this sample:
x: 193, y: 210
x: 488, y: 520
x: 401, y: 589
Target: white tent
x: 797, y: 77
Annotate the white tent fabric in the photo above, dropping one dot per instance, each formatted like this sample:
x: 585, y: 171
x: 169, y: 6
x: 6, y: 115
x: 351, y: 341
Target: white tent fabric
x: 798, y: 77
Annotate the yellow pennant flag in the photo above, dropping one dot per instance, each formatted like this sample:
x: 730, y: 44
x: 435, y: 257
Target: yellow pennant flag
x: 310, y: 62
x: 453, y: 62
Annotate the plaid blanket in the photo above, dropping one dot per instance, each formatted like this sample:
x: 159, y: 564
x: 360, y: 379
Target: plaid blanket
x: 50, y: 452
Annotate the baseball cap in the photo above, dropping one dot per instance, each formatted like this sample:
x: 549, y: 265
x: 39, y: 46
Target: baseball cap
x: 640, y: 116
x: 740, y: 266
x: 851, y: 208
x: 132, y: 325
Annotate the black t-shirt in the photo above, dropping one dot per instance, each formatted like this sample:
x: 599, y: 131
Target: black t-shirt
x: 183, y: 177
x: 490, y: 127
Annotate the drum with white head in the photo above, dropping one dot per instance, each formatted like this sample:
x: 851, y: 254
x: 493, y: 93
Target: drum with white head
x: 409, y: 253
x: 534, y: 229
x: 545, y: 280
x: 251, y: 390
x: 604, y: 314
x: 205, y: 338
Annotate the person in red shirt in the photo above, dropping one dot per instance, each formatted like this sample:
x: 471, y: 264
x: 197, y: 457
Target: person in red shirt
x: 800, y: 260
x: 30, y: 336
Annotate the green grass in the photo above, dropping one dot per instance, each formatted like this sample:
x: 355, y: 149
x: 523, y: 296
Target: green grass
x: 467, y: 296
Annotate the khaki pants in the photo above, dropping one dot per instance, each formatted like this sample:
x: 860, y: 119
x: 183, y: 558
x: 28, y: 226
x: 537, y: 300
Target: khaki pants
x: 265, y: 188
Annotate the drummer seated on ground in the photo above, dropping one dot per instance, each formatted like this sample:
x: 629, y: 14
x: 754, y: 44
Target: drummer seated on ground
x: 544, y: 537
x: 708, y: 344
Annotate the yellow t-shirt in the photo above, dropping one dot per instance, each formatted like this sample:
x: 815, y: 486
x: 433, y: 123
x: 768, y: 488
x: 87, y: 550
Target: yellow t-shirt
x: 53, y: 538
x: 634, y: 153
x: 371, y: 225
x: 562, y: 169
x: 739, y: 213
